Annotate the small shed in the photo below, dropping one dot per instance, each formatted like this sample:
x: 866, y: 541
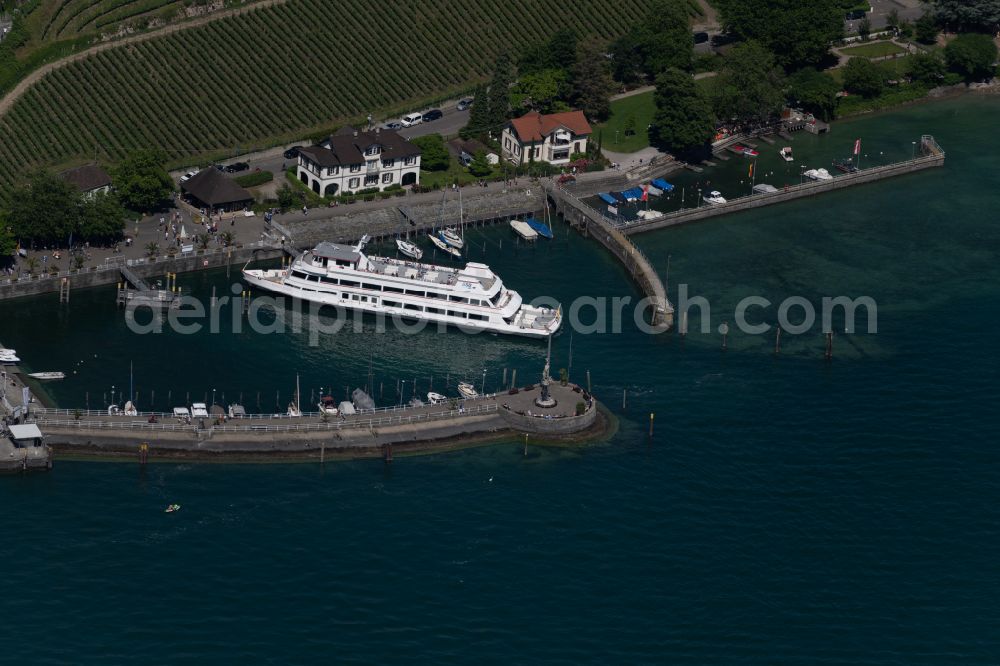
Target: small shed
x: 212, y: 189
x: 26, y: 435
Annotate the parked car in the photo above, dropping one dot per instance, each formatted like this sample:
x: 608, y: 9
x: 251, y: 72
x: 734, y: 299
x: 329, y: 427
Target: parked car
x: 411, y: 119
x: 237, y: 166
x: 188, y: 176
x: 292, y: 153
x: 464, y: 104
x: 394, y: 125
x: 855, y: 14
x: 433, y: 114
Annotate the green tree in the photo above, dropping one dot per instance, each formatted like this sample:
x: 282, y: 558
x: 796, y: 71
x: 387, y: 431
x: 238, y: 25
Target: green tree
x: 102, y: 218
x: 966, y: 15
x: 662, y: 38
x: 798, y: 33
x: 864, y: 28
x: 286, y: 197
x: 152, y: 249
x: 591, y: 81
x: 499, y: 94
x: 683, y: 119
x: 927, y: 68
x: 479, y: 114
x: 45, y: 209
x: 559, y: 52
x: 541, y: 91
x: 749, y: 87
x: 8, y: 244
x: 814, y: 91
x: 141, y: 181
x: 925, y: 29
x: 479, y: 166
x: 863, y: 77
x: 892, y: 19
x: 434, y: 156
x: 971, y: 55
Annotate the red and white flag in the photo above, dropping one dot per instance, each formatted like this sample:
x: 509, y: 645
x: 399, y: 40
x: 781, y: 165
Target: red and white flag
x: 645, y: 192
x: 857, y: 147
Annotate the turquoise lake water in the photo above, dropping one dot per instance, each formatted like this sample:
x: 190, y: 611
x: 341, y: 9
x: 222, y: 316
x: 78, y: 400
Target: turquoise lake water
x: 788, y: 510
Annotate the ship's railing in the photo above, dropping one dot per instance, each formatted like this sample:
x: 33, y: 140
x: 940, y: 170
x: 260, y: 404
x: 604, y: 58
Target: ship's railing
x: 335, y: 423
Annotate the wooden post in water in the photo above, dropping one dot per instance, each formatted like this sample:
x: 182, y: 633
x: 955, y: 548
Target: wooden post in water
x: 588, y: 382
x: 526, y: 445
x: 777, y: 341
x: 684, y: 324
x: 388, y: 452
x: 513, y: 378
x: 623, y: 398
x: 322, y: 451
x: 651, y: 417
x: 829, y: 345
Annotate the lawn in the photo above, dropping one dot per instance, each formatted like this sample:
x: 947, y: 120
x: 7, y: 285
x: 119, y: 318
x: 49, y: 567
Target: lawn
x: 895, y: 68
x: 635, y: 113
x: 873, y: 50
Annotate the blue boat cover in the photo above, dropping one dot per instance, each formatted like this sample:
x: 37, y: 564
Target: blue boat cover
x: 540, y: 227
x: 632, y: 194
x: 607, y: 198
x: 662, y: 184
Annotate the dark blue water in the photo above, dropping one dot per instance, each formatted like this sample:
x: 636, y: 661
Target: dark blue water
x: 788, y: 510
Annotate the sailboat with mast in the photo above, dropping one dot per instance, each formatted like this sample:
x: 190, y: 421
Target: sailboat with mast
x: 440, y: 239
x: 449, y: 235
x: 294, y: 407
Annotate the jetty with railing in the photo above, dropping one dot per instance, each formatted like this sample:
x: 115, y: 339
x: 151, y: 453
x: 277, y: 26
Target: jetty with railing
x: 366, y: 433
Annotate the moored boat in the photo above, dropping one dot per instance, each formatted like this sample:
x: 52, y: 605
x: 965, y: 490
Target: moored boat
x: 817, y: 174
x: 661, y: 184
x: 847, y: 166
x: 451, y: 237
x: 467, y: 390
x: 523, y: 230
x: 45, y: 376
x: 714, y: 197
x: 444, y: 247
x: 540, y: 227
x: 786, y: 154
x: 649, y: 215
x: 409, y: 249
x: 607, y: 198
x: 472, y: 298
x: 435, y: 398
x: 327, y: 405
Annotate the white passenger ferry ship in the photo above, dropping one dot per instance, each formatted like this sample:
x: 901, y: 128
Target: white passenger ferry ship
x: 472, y: 298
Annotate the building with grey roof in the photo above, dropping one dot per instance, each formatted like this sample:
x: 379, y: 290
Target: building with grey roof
x: 350, y: 161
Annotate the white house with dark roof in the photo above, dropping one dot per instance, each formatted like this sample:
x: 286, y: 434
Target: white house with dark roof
x: 552, y: 137
x: 351, y: 160
x: 90, y: 179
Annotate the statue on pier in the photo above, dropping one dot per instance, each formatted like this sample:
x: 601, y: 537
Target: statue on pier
x: 545, y: 400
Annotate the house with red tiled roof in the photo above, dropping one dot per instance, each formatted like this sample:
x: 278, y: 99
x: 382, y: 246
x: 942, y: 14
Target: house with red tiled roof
x: 552, y: 137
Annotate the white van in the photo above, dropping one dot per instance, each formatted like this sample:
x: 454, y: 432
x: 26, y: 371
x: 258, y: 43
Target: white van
x: 411, y: 119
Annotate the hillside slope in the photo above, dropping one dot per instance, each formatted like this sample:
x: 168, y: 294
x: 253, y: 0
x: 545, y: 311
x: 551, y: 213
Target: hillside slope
x: 277, y: 71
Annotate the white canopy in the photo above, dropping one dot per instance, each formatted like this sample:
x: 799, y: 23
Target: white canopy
x: 28, y: 431
x: 181, y: 411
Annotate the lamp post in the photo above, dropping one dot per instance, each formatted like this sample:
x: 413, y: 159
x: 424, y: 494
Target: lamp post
x: 213, y: 398
x: 802, y: 171
x: 113, y: 395
x: 482, y: 387
x: 913, y: 153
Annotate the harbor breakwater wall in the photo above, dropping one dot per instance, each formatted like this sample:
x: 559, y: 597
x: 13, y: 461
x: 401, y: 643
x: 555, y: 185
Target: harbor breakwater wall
x: 932, y: 157
x: 110, y: 273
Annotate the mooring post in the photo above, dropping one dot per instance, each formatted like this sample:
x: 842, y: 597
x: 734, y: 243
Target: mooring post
x: 322, y: 451
x: 724, y: 329
x: 651, y: 417
x: 829, y: 345
x: 388, y: 452
x: 588, y: 382
x: 777, y: 341
x: 525, y: 444
x: 623, y: 398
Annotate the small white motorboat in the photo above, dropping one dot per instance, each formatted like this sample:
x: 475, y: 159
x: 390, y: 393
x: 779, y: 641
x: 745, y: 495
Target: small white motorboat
x: 786, y: 154
x: 450, y: 237
x: 130, y: 409
x: 467, y: 390
x: 293, y: 410
x: 764, y: 188
x: 409, y: 249
x: 435, y: 398
x: 444, y: 247
x: 237, y: 411
x: 199, y: 410
x: 45, y: 376
x: 9, y: 360
x: 327, y: 405
x: 647, y: 215
x: 817, y: 174
x: 524, y: 230
x: 114, y: 410
x: 714, y: 197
